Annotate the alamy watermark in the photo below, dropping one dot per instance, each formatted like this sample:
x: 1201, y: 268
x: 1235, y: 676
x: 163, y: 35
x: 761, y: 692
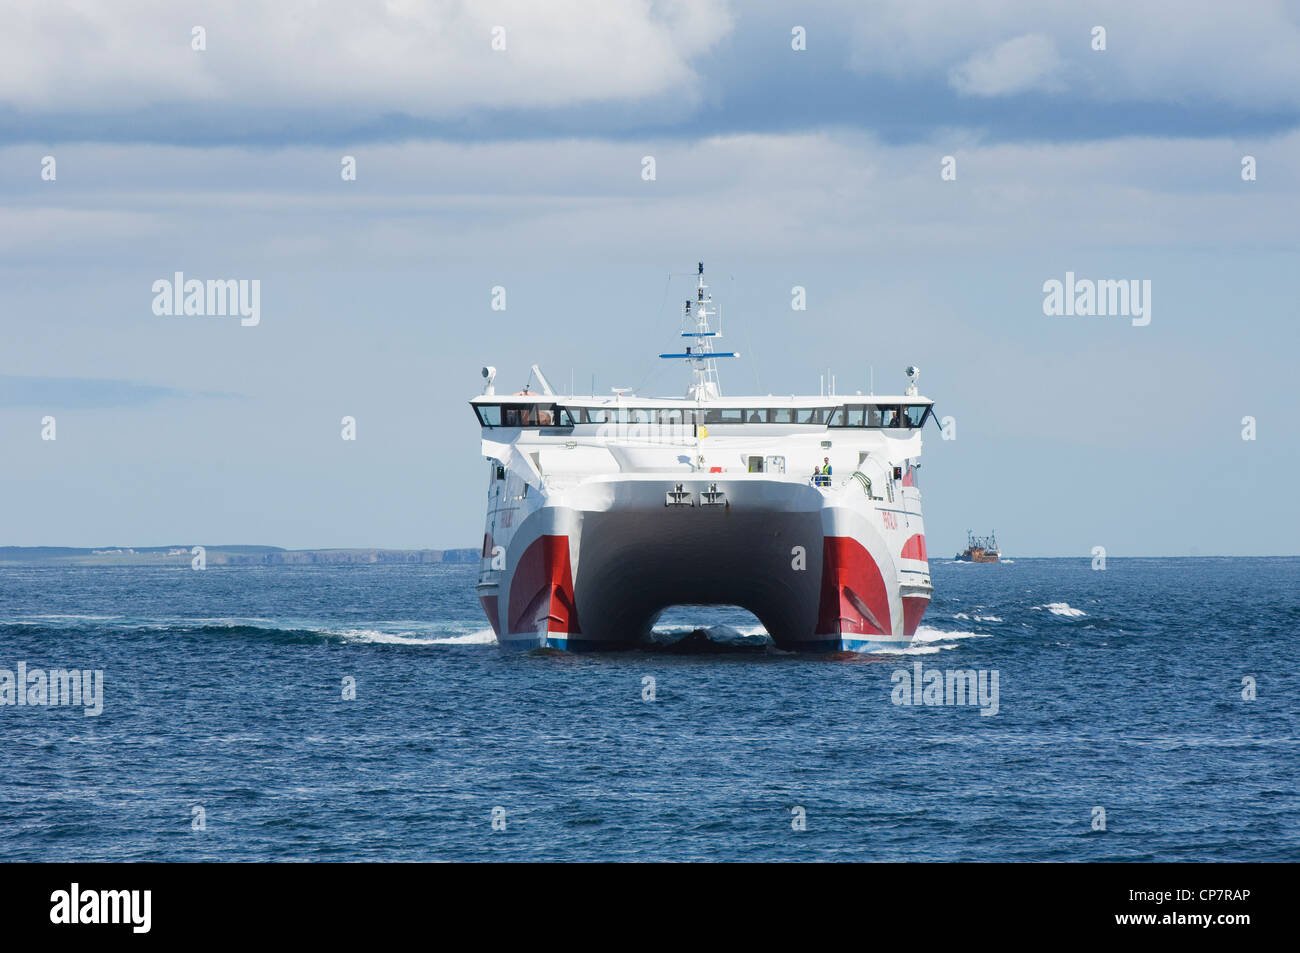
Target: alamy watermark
x: 946, y: 687
x: 212, y: 298
x: 77, y: 905
x: 1128, y: 298
x: 56, y: 687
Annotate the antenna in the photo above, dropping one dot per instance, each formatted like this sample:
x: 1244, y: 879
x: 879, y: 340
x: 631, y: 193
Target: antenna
x: 703, y: 359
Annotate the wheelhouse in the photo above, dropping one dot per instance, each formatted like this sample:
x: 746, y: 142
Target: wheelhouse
x: 520, y: 414
x: 868, y: 416
x: 881, y: 416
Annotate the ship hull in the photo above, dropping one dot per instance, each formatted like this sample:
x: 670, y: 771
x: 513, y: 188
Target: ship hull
x: 822, y: 571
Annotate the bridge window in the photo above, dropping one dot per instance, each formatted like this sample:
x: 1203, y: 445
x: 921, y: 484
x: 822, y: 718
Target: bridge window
x: 523, y: 415
x: 880, y: 415
x: 489, y: 415
x: 724, y: 415
x: 850, y: 416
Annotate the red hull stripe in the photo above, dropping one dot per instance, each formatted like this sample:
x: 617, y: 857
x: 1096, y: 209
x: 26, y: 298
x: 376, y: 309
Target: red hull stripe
x: 854, y: 600
x: 541, y: 590
x: 490, y: 610
x: 913, y: 610
x: 914, y: 548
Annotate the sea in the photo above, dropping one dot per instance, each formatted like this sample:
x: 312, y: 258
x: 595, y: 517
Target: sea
x: 1147, y: 711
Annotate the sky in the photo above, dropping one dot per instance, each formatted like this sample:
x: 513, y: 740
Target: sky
x: 523, y: 168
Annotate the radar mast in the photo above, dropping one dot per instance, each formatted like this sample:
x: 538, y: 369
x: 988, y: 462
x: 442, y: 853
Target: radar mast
x: 700, y: 352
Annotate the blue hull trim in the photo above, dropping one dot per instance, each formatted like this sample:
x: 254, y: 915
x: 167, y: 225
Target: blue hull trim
x: 527, y: 642
x: 872, y: 645
x: 843, y: 644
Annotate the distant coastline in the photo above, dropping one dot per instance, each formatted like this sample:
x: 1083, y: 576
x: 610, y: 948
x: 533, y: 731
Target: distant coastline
x: 223, y: 556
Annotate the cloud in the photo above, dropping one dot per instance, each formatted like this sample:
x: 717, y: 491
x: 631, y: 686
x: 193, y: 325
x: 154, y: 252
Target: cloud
x: 344, y: 74
x: 423, y: 58
x: 1193, y: 52
x: 262, y: 211
x: 80, y: 393
x: 1016, y: 66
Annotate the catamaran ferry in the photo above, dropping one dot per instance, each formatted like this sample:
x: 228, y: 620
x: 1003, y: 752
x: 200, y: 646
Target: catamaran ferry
x: 602, y: 512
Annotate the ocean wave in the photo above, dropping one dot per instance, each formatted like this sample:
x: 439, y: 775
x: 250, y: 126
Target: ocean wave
x: 927, y: 633
x: 285, y: 631
x: 722, y: 629
x: 375, y: 637
x: 1062, y: 608
x: 701, y: 637
x: 963, y: 617
x: 417, y: 633
x: 912, y: 649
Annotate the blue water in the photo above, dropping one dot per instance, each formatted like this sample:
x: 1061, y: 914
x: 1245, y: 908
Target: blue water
x: 1119, y: 689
